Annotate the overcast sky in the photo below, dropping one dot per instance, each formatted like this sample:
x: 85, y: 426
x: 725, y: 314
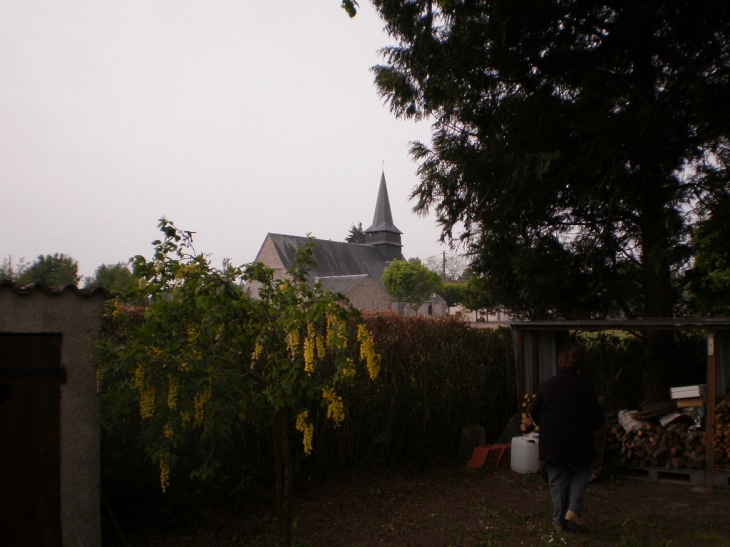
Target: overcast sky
x: 231, y: 118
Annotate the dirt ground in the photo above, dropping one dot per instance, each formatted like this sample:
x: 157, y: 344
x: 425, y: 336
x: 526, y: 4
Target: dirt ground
x: 447, y: 506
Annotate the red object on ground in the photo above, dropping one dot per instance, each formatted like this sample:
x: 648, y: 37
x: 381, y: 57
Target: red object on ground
x: 493, y: 455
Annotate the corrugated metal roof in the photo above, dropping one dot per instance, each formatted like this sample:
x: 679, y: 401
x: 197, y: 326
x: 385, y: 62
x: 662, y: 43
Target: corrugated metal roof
x: 30, y: 288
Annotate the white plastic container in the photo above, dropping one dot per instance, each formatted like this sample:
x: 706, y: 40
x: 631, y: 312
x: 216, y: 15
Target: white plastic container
x: 525, y: 457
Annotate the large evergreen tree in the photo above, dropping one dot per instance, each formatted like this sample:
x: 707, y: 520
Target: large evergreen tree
x: 573, y: 141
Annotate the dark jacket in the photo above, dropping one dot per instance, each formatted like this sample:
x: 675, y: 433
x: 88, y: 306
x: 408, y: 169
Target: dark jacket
x: 567, y: 411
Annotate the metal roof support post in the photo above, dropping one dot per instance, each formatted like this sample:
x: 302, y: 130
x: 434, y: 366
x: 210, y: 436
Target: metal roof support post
x: 710, y: 418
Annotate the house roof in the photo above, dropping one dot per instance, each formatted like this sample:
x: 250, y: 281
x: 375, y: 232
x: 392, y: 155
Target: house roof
x: 332, y: 258
x: 383, y: 217
x: 341, y: 283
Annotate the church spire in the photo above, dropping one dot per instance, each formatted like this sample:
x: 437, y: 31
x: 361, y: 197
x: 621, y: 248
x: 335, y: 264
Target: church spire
x: 383, y: 218
x: 383, y: 233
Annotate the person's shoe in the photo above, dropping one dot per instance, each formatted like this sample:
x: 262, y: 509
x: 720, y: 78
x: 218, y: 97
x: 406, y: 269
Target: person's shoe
x: 572, y: 516
x: 559, y: 529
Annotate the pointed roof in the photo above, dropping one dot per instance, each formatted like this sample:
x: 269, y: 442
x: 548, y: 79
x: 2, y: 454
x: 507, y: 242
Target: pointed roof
x: 383, y: 218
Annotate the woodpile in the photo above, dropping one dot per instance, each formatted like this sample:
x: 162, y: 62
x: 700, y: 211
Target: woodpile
x: 678, y: 445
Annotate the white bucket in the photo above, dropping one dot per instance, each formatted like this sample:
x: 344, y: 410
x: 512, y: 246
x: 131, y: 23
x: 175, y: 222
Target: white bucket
x: 525, y: 457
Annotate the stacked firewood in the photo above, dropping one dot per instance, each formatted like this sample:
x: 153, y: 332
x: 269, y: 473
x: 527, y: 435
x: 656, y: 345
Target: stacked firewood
x: 722, y: 435
x: 526, y: 424
x: 678, y: 445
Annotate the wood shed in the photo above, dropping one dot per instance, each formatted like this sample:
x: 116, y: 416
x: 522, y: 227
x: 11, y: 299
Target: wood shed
x: 537, y: 345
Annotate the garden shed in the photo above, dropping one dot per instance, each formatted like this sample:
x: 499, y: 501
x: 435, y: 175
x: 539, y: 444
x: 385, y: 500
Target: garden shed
x: 49, y: 416
x: 538, y: 343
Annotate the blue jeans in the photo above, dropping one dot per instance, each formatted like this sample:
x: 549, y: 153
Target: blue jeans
x: 568, y: 483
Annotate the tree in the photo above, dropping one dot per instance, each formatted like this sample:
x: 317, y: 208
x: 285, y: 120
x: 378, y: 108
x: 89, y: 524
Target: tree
x: 411, y: 282
x: 709, y: 278
x: 356, y: 235
x: 202, y: 356
x: 113, y: 277
x: 448, y: 266
x: 452, y: 292
x: 52, y: 270
x: 11, y: 271
x: 571, y: 141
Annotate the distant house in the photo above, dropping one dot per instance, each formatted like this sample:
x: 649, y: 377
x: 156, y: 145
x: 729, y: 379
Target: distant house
x: 353, y: 269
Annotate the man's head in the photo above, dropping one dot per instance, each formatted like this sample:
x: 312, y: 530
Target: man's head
x: 570, y: 360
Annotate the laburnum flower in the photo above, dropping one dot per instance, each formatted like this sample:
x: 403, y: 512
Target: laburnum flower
x: 308, y: 355
x: 335, y: 406
x: 367, y: 351
x: 321, y: 350
x: 292, y: 341
x: 172, y: 392
x: 164, y: 471
x: 307, y: 429
x: 201, y: 399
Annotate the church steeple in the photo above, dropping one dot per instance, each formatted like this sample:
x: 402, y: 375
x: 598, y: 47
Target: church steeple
x: 382, y: 233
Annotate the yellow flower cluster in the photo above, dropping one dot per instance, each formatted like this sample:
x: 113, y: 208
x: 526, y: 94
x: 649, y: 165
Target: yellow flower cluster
x: 185, y: 271
x: 367, y: 351
x: 193, y: 333
x: 147, y: 402
x: 308, y: 355
x: 348, y: 371
x: 139, y: 376
x: 307, y: 429
x: 146, y: 392
x: 172, y: 389
x: 169, y: 431
x: 164, y: 471
x: 335, y: 407
x: 321, y: 350
x: 200, y: 400
x: 335, y: 329
x: 257, y: 350
x: 292, y: 341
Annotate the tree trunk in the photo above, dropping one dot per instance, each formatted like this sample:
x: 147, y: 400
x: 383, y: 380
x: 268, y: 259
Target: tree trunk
x: 284, y: 479
x: 659, y: 296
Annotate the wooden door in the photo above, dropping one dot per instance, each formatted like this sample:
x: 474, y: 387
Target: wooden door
x: 30, y: 478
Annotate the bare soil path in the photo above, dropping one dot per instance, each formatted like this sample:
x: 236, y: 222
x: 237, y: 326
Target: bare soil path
x: 450, y: 507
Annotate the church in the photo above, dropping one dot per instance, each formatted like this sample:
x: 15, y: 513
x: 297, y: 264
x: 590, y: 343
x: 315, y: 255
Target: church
x: 353, y: 269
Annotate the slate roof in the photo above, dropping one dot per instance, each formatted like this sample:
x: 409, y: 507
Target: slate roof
x: 383, y: 217
x: 341, y: 283
x: 333, y: 258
